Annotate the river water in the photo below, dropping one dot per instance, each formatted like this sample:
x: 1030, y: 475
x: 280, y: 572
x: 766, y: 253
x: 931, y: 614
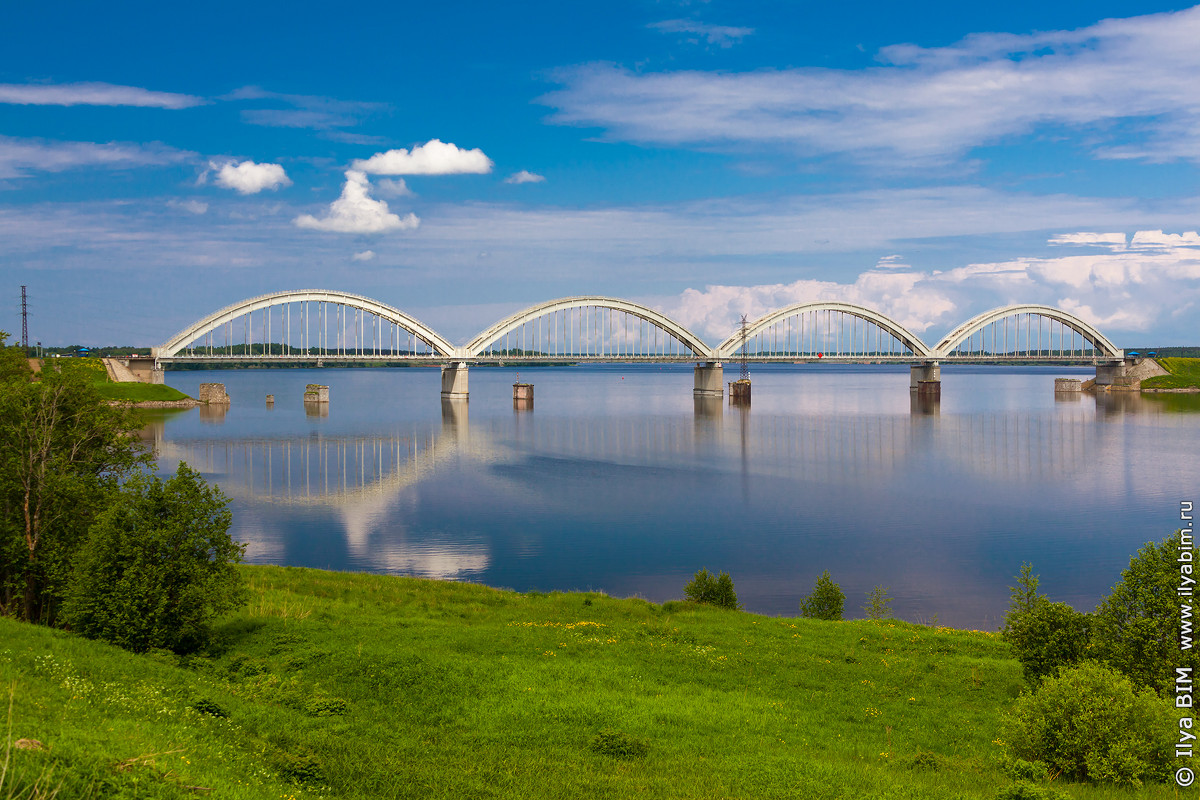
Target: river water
x: 618, y: 481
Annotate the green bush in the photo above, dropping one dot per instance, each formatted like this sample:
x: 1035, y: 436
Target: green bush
x: 1021, y: 770
x: 1028, y: 790
x: 718, y: 591
x: 827, y: 600
x: 1089, y: 723
x: 157, y: 567
x: 1137, y: 626
x: 879, y: 605
x: 1047, y: 637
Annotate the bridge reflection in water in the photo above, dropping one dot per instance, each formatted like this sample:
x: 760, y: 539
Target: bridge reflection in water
x: 360, y: 481
x: 369, y: 486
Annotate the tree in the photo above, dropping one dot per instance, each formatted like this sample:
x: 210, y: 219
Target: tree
x: 827, y: 600
x: 1047, y: 637
x: 1137, y: 627
x: 1023, y: 597
x: 879, y: 605
x: 63, y: 451
x: 13, y: 363
x: 158, y: 566
x: 718, y: 591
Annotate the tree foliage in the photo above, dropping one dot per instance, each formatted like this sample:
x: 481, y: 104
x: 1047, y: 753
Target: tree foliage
x: 827, y: 600
x: 714, y: 591
x: 157, y: 567
x: 62, y: 454
x: 1023, y: 597
x: 1047, y: 637
x: 1137, y: 626
x: 879, y: 605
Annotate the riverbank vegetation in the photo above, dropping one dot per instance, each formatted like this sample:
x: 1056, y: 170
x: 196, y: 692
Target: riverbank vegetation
x: 1184, y: 374
x: 122, y: 392
x: 347, y: 685
x: 139, y: 392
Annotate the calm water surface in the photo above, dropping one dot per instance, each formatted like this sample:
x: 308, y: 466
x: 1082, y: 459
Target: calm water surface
x: 618, y: 481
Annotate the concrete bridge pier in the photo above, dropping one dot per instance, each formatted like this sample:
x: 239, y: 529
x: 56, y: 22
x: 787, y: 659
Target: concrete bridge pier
x: 709, y: 380
x: 1108, y: 374
x: 454, y: 381
x: 928, y: 373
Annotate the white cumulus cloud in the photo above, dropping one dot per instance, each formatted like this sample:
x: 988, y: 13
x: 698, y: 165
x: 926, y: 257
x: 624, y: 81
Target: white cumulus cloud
x: 435, y: 157
x: 907, y: 297
x: 1125, y: 290
x: 525, y: 176
x: 365, y: 255
x: 1157, y: 239
x: 357, y: 212
x: 249, y: 177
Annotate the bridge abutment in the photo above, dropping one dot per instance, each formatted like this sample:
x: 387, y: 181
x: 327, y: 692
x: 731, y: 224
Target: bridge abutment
x: 927, y: 373
x: 1126, y: 375
x: 454, y: 381
x: 709, y: 380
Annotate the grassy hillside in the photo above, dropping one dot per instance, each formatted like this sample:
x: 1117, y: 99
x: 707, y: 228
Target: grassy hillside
x: 137, y: 392
x: 1185, y: 373
x: 347, y: 685
x: 127, y: 392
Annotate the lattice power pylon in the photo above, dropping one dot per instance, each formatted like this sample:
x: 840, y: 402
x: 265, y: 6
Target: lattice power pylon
x: 24, y: 322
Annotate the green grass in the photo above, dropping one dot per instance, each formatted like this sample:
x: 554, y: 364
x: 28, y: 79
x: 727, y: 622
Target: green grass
x: 367, y: 686
x: 127, y: 392
x: 1185, y: 373
x: 137, y: 392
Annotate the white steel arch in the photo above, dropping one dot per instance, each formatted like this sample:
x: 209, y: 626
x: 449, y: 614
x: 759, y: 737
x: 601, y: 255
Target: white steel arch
x: 976, y: 324
x: 665, y: 323
x: 213, y: 321
x: 910, y: 340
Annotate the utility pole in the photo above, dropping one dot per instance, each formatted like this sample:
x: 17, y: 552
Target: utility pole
x: 24, y: 323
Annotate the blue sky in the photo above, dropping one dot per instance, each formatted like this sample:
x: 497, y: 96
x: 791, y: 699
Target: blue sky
x: 463, y: 160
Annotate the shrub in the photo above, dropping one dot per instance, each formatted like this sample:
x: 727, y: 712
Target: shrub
x: 157, y: 567
x: 718, y: 591
x: 1021, y: 770
x: 1137, y: 626
x: 879, y: 605
x: 1089, y: 723
x: 1047, y: 637
x: 1028, y: 790
x: 827, y: 600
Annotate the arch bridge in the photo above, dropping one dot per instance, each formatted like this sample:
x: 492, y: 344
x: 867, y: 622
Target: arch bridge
x: 319, y: 326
